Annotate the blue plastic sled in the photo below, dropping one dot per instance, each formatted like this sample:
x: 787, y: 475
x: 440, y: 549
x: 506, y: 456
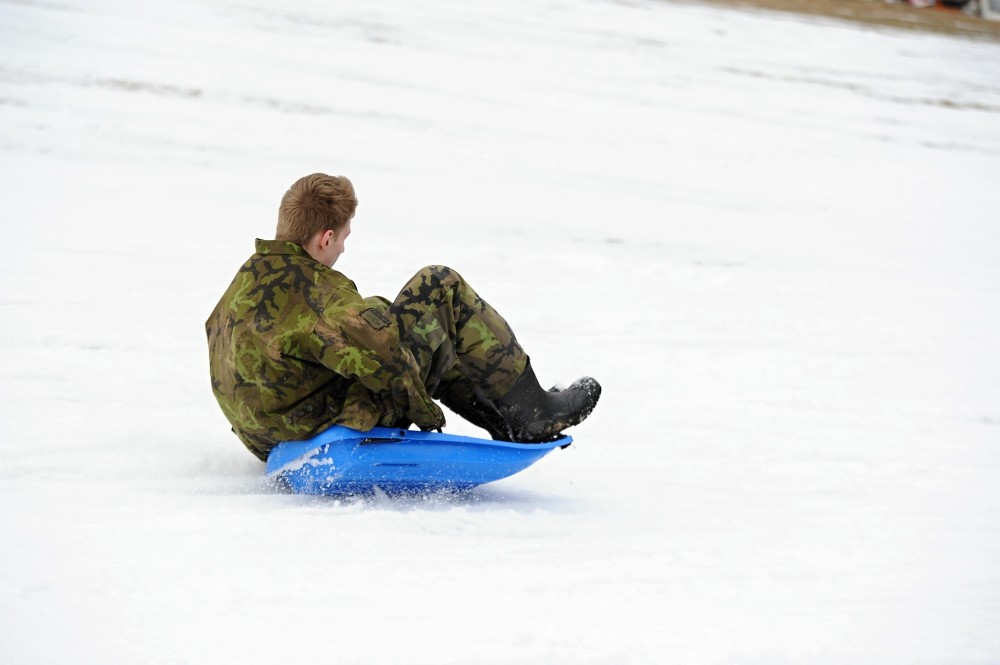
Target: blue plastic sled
x: 342, y: 460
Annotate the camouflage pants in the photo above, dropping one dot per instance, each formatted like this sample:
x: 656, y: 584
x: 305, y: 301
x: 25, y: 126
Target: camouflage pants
x: 459, y: 341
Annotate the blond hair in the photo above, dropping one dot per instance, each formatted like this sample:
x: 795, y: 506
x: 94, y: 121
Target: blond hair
x: 315, y: 203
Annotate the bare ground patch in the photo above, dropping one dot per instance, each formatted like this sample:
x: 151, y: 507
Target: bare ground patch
x: 941, y: 19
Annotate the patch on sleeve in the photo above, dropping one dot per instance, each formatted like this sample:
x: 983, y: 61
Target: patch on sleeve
x: 375, y: 318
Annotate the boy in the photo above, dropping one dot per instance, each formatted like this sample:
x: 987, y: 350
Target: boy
x: 294, y: 348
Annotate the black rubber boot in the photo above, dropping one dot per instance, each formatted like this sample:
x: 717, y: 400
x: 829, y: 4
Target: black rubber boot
x: 462, y: 398
x: 535, y: 415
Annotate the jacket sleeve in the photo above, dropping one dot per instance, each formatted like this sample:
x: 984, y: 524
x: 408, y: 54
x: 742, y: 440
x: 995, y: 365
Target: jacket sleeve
x: 357, y: 341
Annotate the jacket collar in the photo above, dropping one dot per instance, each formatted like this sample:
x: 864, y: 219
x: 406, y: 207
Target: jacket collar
x: 280, y: 247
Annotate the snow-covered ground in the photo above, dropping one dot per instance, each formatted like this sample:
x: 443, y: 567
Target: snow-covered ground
x: 775, y: 242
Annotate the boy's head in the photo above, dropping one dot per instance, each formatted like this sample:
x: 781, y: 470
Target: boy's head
x: 314, y: 204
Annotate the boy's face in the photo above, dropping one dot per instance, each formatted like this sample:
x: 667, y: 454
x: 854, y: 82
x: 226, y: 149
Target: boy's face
x: 334, y: 247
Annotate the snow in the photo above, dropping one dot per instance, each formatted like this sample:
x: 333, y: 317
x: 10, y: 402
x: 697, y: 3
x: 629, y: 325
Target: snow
x: 774, y: 241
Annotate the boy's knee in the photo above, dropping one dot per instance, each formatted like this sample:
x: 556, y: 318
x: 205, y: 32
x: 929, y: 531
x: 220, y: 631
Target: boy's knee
x: 436, y: 270
x: 438, y: 274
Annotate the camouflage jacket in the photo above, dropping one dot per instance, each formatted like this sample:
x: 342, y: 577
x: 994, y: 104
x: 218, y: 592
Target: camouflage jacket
x: 294, y: 348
